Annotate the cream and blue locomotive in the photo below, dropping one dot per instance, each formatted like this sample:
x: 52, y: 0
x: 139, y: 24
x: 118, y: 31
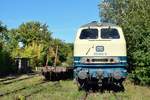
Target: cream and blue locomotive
x: 100, y: 54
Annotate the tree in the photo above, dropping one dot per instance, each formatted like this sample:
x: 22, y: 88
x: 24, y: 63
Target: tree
x: 38, y: 45
x: 36, y: 39
x: 133, y: 16
x: 5, y: 60
x: 3, y: 34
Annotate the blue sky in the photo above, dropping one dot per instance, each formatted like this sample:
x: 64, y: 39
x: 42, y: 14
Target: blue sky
x: 63, y: 17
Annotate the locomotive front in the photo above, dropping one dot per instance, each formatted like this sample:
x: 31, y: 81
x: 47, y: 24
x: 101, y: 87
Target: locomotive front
x: 99, y: 54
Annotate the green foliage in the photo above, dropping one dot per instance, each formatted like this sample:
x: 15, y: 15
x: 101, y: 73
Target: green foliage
x: 133, y: 16
x: 38, y: 45
x: 141, y: 75
x: 34, y: 36
x: 6, y: 64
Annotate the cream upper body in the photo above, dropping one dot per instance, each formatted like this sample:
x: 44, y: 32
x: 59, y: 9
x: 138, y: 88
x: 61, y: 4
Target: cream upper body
x: 100, y: 46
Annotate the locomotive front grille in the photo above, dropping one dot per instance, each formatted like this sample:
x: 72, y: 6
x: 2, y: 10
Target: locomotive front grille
x: 99, y: 60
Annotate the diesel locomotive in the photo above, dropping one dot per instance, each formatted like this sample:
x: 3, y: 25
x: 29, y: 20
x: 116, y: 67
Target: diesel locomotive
x: 100, y: 54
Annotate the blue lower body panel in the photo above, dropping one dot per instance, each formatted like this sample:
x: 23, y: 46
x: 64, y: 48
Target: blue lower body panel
x: 105, y: 70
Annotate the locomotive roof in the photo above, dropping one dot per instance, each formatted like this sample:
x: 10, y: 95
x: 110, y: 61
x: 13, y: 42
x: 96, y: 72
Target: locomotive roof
x: 96, y: 24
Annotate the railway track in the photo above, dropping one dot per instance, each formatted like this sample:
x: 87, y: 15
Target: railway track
x: 35, y: 92
x: 9, y: 78
x: 13, y: 79
x: 22, y: 88
x: 116, y: 97
x: 41, y: 89
x: 85, y: 96
x: 87, y: 93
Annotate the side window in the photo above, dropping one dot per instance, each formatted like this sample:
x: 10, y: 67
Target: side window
x: 109, y: 33
x: 89, y: 34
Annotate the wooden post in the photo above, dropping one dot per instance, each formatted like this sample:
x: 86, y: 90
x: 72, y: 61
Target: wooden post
x: 47, y: 57
x: 55, y: 74
x: 56, y: 56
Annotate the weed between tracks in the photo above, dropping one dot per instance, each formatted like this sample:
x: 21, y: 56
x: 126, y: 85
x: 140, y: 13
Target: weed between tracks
x: 66, y: 90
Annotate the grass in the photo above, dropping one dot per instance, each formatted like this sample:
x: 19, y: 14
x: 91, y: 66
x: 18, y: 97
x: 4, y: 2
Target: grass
x: 67, y: 90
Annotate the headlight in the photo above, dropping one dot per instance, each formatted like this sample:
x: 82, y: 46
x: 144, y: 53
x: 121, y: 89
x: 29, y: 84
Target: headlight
x: 116, y: 60
x: 83, y: 60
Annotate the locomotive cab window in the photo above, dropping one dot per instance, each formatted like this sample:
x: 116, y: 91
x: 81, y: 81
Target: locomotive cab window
x: 89, y: 34
x: 109, y: 33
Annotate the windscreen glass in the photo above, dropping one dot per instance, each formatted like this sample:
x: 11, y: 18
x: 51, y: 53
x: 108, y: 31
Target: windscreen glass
x: 89, y: 34
x: 109, y: 33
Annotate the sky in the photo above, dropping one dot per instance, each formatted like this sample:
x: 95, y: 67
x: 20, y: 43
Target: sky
x: 63, y: 17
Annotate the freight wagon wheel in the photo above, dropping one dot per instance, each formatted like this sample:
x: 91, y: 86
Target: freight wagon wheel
x: 47, y: 75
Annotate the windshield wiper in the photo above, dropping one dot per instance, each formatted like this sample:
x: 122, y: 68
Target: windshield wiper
x: 89, y: 50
